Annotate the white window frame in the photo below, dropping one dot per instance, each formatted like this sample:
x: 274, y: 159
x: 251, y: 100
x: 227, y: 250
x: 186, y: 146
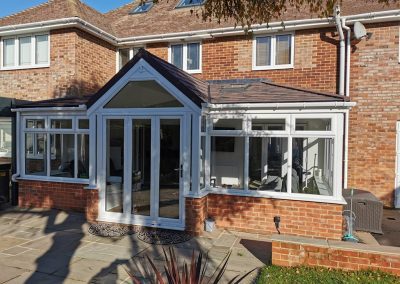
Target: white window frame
x: 185, y: 55
x: 131, y: 48
x: 273, y: 52
x: 336, y: 134
x: 47, y: 130
x: 8, y: 153
x: 33, y: 64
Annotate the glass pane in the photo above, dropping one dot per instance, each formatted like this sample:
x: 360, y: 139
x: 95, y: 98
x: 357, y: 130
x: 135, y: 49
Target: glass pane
x: 283, y: 52
x: 83, y: 156
x: 25, y: 51
x: 83, y: 123
x: 193, y: 54
x: 62, y: 155
x: 143, y: 94
x: 123, y: 57
x: 268, y: 163
x: 202, y: 161
x: 144, y: 7
x: 35, y: 123
x: 135, y: 50
x: 227, y: 162
x: 227, y: 124
x: 177, y: 55
x: 5, y: 138
x: 268, y: 124
x: 170, y: 168
x: 9, y: 52
x: 42, y: 49
x: 263, y: 51
x: 61, y: 123
x: 141, y: 166
x: 185, y: 3
x: 317, y: 124
x: 35, y: 154
x: 115, y: 165
x: 313, y: 164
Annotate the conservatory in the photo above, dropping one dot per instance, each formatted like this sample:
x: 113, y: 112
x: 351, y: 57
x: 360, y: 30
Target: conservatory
x: 154, y: 143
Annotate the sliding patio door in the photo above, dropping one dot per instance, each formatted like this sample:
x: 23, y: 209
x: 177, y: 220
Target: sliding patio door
x: 144, y: 171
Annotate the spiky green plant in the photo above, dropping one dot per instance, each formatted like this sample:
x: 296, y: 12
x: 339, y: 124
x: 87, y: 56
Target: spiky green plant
x: 192, y: 273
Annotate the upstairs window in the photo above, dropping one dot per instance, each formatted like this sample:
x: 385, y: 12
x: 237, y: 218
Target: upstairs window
x: 27, y: 51
x: 186, y: 56
x: 273, y: 52
x: 143, y: 8
x: 126, y: 54
x: 189, y: 3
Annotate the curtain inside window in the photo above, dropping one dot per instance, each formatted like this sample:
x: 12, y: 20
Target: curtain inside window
x: 193, y: 56
x: 177, y: 55
x: 24, y: 50
x: 9, y: 52
x: 283, y: 45
x: 42, y: 49
x: 263, y: 51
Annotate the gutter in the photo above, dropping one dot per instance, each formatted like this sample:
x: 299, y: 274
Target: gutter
x: 384, y: 16
x: 303, y: 105
x: 44, y: 109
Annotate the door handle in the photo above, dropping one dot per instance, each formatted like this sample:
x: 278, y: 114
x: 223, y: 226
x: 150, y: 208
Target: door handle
x: 181, y: 170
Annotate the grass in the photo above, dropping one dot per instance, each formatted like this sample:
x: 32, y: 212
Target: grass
x: 307, y: 275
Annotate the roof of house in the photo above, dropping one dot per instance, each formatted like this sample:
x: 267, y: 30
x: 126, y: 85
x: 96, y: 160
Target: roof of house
x: 162, y: 18
x: 199, y: 91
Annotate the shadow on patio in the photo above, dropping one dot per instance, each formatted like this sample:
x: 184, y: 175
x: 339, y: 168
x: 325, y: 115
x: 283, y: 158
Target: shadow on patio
x: 50, y: 246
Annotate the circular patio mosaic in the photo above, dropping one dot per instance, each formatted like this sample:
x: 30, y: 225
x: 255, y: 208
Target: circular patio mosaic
x: 162, y: 236
x: 110, y: 230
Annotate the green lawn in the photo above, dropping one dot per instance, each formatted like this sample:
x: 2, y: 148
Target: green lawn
x: 306, y: 275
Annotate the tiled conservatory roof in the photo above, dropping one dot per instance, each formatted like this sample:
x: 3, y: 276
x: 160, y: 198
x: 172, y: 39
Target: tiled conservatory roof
x: 199, y: 91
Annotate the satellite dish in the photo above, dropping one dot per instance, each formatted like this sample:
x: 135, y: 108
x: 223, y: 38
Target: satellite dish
x: 359, y: 30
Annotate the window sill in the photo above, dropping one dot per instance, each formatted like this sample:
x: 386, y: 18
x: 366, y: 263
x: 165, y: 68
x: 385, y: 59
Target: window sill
x: 193, y: 71
x: 275, y: 67
x: 272, y: 195
x: 54, y: 179
x: 24, y: 67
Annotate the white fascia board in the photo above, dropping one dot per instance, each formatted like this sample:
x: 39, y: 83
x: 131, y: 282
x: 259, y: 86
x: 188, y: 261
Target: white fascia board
x: 303, y: 105
x: 50, y: 109
x: 383, y: 16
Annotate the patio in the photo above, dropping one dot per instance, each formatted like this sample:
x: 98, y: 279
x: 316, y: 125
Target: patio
x: 49, y: 246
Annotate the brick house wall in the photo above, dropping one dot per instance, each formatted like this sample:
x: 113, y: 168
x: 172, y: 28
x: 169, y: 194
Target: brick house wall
x: 375, y: 87
x: 56, y: 195
x: 79, y: 64
x: 255, y: 215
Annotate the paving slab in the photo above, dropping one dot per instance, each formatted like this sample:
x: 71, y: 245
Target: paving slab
x: 42, y: 278
x: 9, y: 273
x: 9, y: 242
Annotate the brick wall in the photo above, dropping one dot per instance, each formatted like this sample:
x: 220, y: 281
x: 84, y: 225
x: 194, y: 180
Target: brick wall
x: 289, y: 251
x: 196, y: 213
x: 375, y: 87
x: 79, y: 63
x: 255, y: 215
x: 55, y: 195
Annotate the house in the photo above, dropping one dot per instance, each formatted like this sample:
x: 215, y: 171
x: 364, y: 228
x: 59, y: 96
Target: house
x: 145, y: 115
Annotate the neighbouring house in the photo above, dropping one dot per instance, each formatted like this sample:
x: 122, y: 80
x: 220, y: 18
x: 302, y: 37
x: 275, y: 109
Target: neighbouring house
x: 145, y: 115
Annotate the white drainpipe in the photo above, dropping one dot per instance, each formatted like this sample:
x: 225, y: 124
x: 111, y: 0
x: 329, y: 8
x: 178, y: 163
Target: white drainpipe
x: 342, y: 50
x: 347, y: 93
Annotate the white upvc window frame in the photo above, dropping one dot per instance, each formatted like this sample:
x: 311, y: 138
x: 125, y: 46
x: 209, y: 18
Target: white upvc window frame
x: 48, y: 131
x: 185, y: 55
x: 17, y: 65
x: 336, y: 134
x: 8, y: 153
x: 131, y: 54
x: 273, y: 65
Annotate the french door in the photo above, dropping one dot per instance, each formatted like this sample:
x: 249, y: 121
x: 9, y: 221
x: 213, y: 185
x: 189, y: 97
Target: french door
x: 143, y: 171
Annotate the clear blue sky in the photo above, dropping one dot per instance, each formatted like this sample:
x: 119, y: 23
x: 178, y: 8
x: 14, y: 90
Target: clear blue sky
x: 8, y: 7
